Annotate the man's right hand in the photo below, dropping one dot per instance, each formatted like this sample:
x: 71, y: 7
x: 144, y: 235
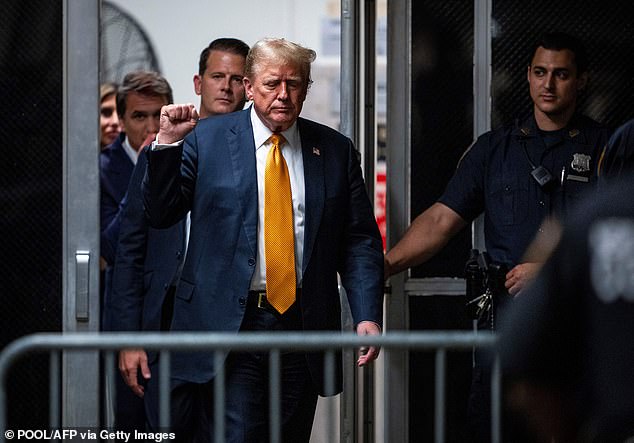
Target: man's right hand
x: 176, y: 122
x: 130, y: 360
x: 520, y: 276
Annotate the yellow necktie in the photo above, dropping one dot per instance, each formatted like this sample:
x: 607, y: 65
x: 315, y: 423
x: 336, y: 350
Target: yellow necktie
x: 279, y: 238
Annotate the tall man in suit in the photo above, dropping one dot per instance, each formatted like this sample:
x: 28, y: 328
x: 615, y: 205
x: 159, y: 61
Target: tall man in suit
x: 148, y: 261
x: 139, y: 102
x: 229, y: 282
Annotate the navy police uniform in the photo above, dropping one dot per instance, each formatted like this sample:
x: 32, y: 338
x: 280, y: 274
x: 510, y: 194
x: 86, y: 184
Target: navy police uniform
x: 494, y: 177
x: 505, y: 175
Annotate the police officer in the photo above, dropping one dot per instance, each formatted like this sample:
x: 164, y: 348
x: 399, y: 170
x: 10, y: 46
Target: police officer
x: 566, y: 343
x: 517, y: 175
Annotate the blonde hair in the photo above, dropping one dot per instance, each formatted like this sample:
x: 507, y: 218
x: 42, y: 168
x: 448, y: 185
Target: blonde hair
x: 106, y: 90
x: 281, y: 51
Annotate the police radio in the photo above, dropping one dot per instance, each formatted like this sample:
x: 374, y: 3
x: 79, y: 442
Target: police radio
x: 540, y: 173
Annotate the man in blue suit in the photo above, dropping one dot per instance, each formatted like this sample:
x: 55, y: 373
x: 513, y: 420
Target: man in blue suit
x: 139, y: 102
x: 229, y: 282
x: 147, y: 260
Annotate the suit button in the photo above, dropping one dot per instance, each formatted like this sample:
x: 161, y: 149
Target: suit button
x: 165, y: 286
x: 179, y: 255
x: 242, y: 301
x: 251, y: 262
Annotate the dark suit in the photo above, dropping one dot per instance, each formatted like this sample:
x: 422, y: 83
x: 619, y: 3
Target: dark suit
x: 217, y: 181
x: 115, y: 170
x: 146, y: 265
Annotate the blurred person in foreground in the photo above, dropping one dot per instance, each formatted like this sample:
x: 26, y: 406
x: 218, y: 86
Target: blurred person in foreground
x: 617, y: 158
x: 108, y: 118
x: 278, y: 210
x: 148, y: 261
x: 517, y: 176
x: 566, y: 345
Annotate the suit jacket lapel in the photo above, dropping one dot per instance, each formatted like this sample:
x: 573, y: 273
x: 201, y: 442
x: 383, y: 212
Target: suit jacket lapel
x: 314, y: 186
x: 242, y: 152
x: 120, y: 163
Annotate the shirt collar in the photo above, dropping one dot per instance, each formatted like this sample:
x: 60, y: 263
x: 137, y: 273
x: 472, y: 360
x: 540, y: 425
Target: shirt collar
x: 261, y: 133
x: 127, y: 147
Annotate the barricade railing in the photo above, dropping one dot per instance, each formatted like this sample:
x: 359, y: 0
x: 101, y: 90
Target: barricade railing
x: 222, y: 343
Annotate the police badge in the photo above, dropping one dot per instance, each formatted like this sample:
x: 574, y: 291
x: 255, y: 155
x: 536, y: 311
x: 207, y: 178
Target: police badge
x: 580, y: 162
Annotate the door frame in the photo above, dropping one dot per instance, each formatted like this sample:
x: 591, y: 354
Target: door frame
x: 80, y: 281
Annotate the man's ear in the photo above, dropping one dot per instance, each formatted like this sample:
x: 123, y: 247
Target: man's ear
x: 197, y: 84
x: 248, y: 88
x: 582, y: 81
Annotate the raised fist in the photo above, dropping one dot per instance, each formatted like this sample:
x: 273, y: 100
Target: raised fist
x: 176, y: 122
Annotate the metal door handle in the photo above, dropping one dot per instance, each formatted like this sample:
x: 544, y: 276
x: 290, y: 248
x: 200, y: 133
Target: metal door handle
x: 82, y: 274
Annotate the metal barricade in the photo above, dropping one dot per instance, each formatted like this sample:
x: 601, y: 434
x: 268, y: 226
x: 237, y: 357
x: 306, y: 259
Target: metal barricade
x: 222, y: 343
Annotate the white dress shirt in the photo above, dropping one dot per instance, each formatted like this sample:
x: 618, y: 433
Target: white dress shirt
x: 292, y: 152
x: 132, y: 153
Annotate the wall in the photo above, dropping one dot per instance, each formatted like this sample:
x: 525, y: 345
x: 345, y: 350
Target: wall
x: 179, y: 32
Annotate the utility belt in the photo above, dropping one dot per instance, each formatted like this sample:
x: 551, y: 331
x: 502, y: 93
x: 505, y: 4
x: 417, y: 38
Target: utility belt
x: 485, y: 290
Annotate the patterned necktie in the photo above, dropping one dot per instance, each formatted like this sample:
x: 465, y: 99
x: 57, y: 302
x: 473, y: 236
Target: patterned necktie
x: 279, y: 238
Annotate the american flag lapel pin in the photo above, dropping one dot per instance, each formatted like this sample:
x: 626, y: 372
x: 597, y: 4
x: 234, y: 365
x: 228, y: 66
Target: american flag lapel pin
x: 316, y: 151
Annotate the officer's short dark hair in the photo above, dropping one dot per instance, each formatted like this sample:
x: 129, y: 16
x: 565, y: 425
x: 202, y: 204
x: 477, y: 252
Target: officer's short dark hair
x: 231, y: 45
x: 557, y: 41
